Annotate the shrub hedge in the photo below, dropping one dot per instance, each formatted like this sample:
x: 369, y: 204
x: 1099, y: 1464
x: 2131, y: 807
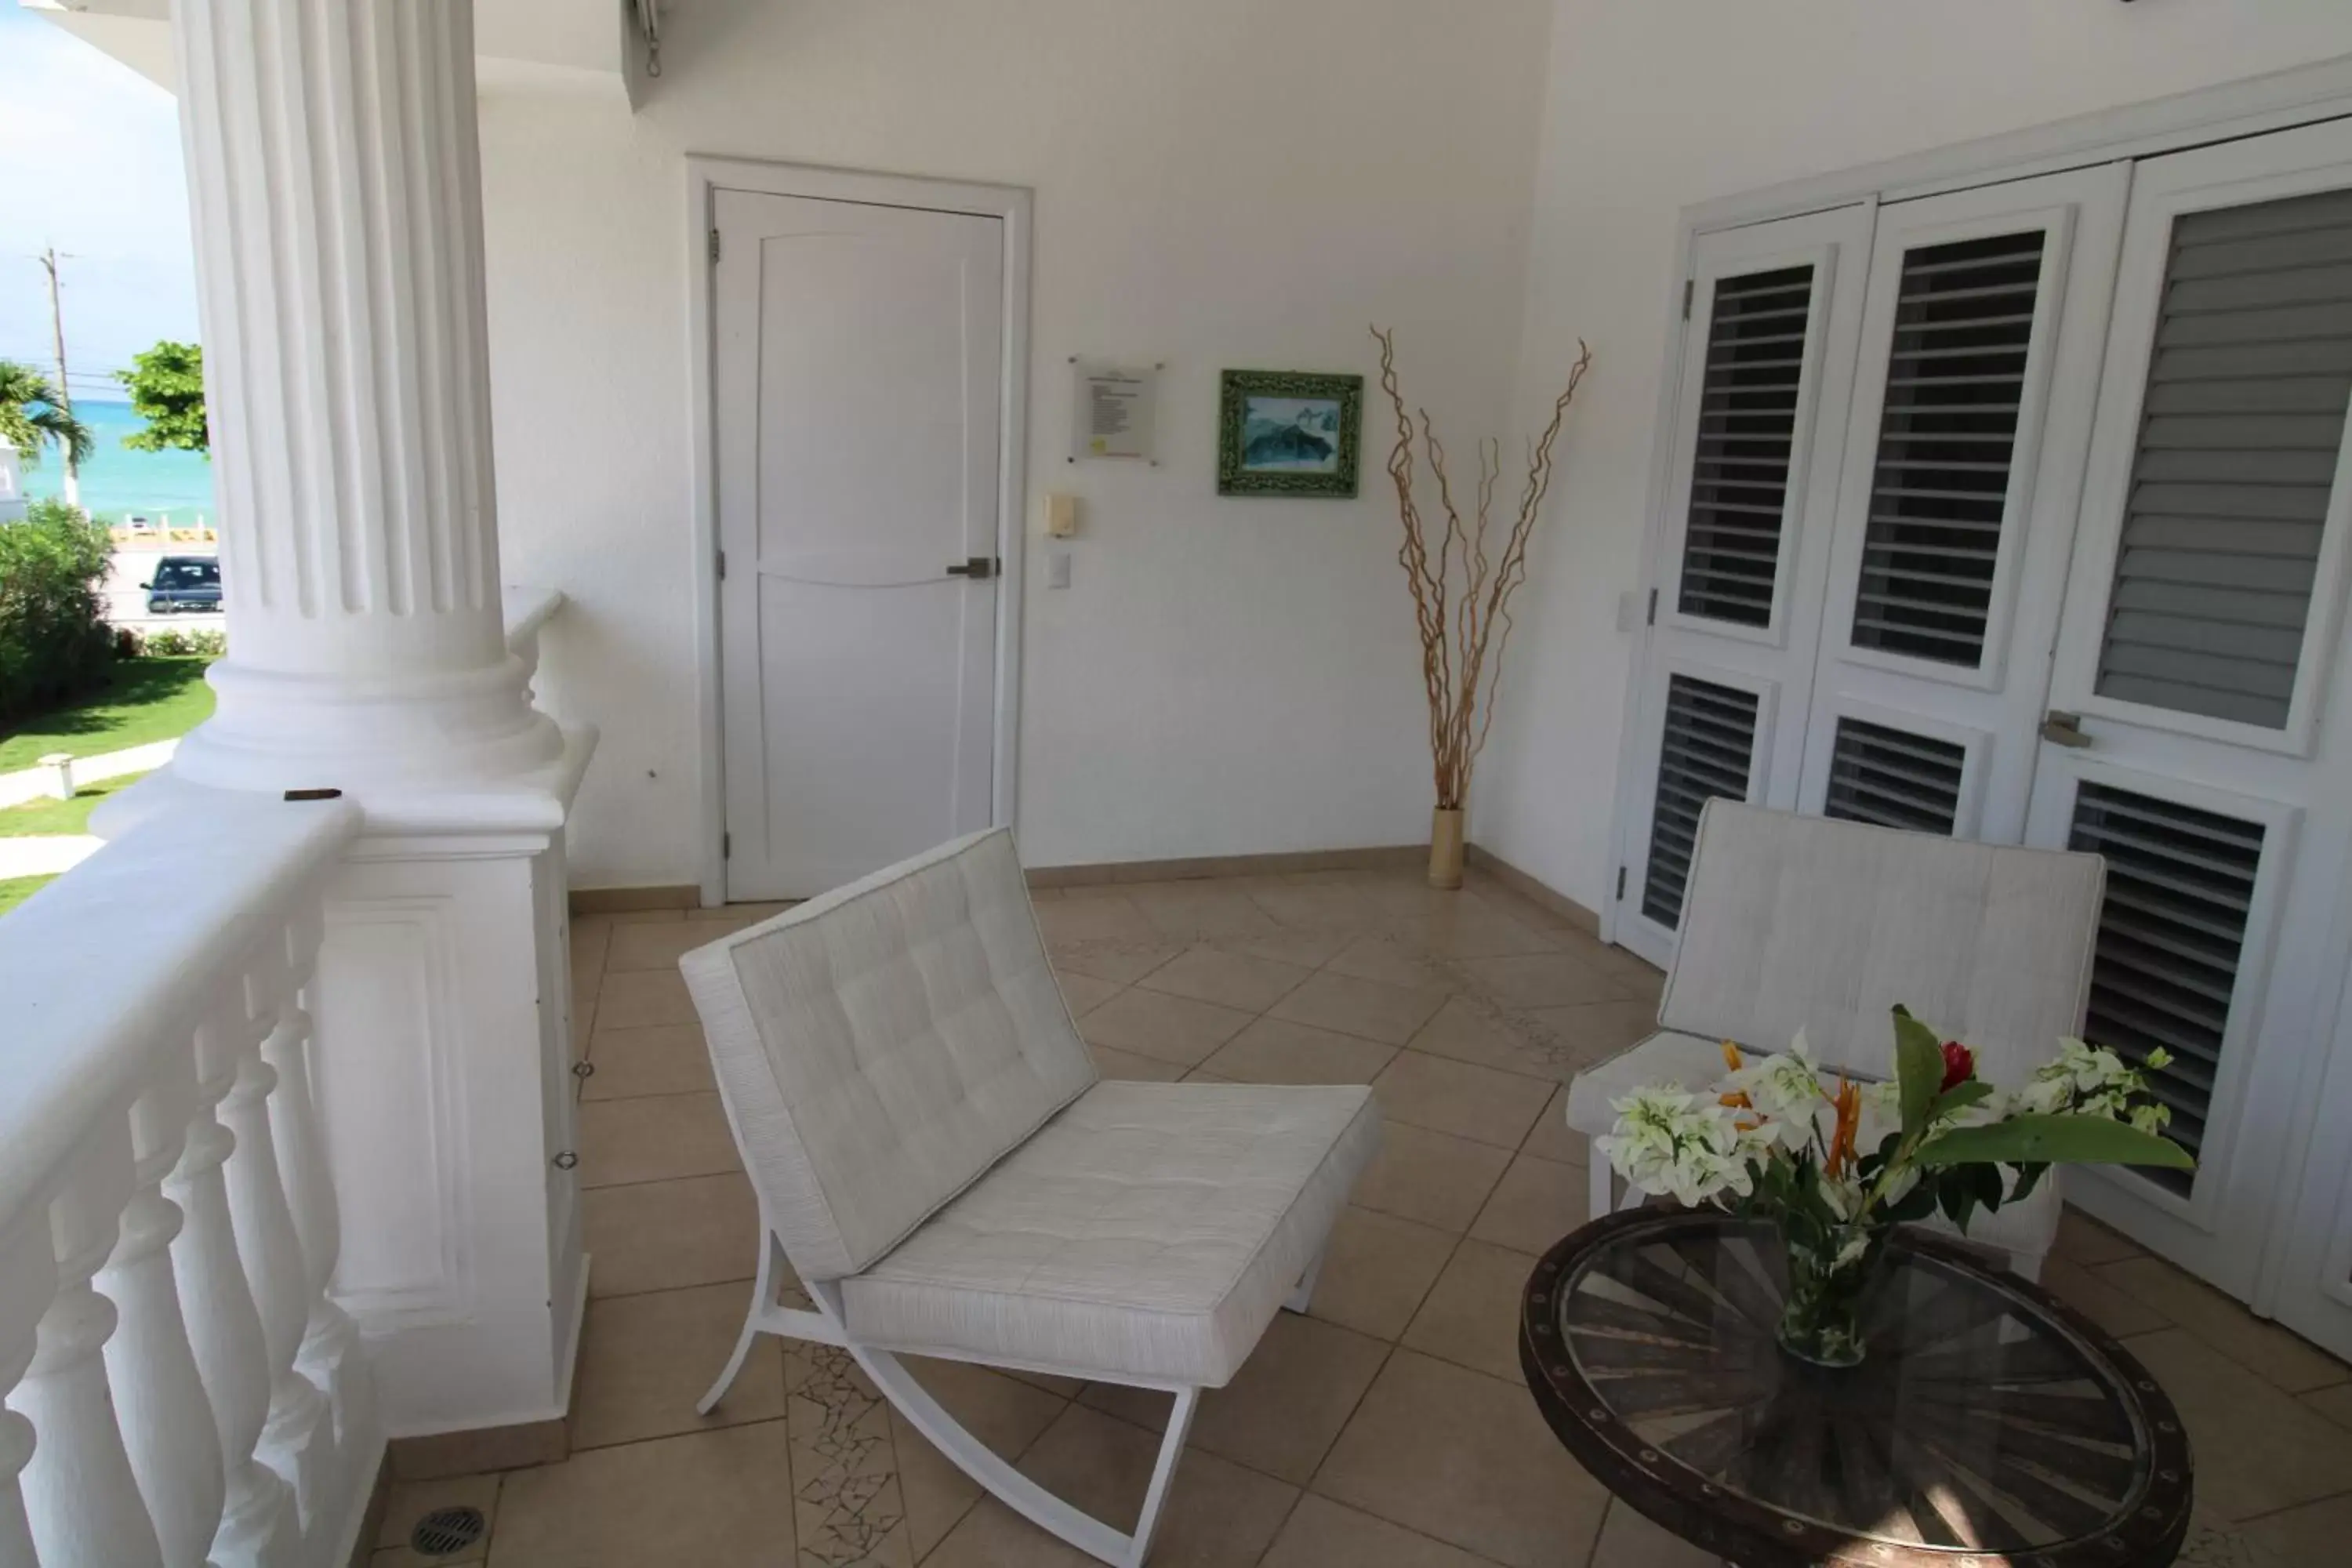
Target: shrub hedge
x: 54, y: 640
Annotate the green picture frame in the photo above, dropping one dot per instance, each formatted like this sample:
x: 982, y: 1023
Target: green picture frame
x: 1289, y: 433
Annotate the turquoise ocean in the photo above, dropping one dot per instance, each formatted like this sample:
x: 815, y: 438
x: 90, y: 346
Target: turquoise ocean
x: 116, y: 480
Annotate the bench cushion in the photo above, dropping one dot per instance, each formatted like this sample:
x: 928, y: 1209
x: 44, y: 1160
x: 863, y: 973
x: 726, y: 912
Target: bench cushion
x: 1150, y: 1230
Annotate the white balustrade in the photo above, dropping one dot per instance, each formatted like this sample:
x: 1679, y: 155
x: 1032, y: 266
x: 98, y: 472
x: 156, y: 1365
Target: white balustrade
x: 180, y: 1388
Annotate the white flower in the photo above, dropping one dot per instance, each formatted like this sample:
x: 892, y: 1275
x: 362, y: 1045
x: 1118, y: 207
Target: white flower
x: 1786, y: 1091
x: 1670, y: 1141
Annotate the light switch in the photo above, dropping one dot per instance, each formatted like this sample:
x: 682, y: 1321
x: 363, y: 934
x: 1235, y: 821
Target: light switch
x: 1057, y: 569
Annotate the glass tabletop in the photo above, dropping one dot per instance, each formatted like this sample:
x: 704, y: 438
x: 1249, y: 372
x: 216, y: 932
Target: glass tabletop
x: 1978, y: 1421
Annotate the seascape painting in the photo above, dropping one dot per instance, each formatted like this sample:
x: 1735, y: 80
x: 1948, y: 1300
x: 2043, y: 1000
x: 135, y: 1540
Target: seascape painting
x: 1288, y: 433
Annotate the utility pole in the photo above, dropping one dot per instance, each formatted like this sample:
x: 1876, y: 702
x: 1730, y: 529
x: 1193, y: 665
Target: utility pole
x: 48, y: 260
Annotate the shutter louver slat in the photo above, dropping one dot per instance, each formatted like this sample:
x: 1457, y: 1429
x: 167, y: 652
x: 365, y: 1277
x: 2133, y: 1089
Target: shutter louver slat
x: 1963, y: 328
x: 1894, y: 778
x: 2239, y: 432
x: 1746, y: 431
x: 2180, y: 884
x: 1705, y: 751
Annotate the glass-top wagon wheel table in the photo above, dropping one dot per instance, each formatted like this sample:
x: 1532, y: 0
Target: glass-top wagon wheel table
x: 1988, y: 1425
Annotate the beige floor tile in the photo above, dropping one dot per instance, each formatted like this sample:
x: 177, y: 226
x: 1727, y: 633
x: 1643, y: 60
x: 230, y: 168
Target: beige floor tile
x: 992, y: 1536
x: 668, y: 1058
x: 1217, y: 1513
x: 660, y: 1235
x: 1120, y: 963
x: 1434, y: 1178
x: 1541, y: 980
x: 1629, y: 1540
x: 1083, y: 993
x: 2315, y: 1533
x: 1377, y: 1270
x: 847, y: 1504
x: 1051, y: 1383
x: 1275, y: 1050
x: 1536, y: 1203
x: 1153, y: 1024
x: 1471, y: 930
x: 1371, y: 1008
x: 659, y: 946
x: 2285, y: 1360
x: 1187, y: 911
x: 1321, y: 1533
x: 1109, y: 919
x: 1461, y: 1098
x: 654, y: 1138
x: 2089, y: 1243
x: 1465, y: 1457
x: 1323, y: 907
x: 1001, y: 1412
x: 718, y: 1498
x: 1471, y: 1316
x: 1302, y: 949
x: 592, y: 939
x: 1395, y: 960
x: 644, y: 1360
x: 412, y: 1501
x: 1283, y: 1410
x: 644, y: 916
x: 639, y: 998
x: 1230, y: 979
x: 2120, y: 1313
x: 1112, y: 1062
x: 1553, y: 1139
x: 745, y: 914
x: 2335, y: 1403
x: 1592, y: 1032
x: 2257, y: 1449
x: 1471, y: 1029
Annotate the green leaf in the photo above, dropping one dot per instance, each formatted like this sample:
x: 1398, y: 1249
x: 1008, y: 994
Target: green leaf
x: 1960, y: 1096
x: 2054, y: 1140
x: 2028, y: 1178
x: 1918, y: 1068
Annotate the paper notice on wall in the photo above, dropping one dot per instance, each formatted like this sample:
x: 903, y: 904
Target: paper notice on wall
x: 1113, y: 408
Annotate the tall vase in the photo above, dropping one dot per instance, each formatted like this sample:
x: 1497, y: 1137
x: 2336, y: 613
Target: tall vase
x: 1832, y: 1276
x: 1445, y: 847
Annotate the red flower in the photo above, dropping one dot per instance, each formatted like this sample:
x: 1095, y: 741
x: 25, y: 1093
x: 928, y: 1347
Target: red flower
x: 1959, y: 1065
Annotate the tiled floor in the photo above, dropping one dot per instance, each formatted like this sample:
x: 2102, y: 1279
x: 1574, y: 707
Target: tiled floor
x: 1388, y: 1428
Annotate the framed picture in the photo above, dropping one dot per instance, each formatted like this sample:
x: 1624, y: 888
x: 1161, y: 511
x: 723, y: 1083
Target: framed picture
x: 1288, y: 433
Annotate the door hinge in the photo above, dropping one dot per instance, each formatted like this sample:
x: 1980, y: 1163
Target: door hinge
x: 1690, y: 285
x: 1652, y: 621
x: 722, y: 566
x: 726, y: 847
x: 714, y: 256
x: 1621, y: 883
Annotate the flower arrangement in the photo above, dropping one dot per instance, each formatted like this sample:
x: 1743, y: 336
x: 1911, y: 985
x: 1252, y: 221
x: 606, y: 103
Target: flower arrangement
x: 1836, y: 1168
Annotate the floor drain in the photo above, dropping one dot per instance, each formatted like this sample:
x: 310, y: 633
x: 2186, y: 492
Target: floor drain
x: 446, y: 1532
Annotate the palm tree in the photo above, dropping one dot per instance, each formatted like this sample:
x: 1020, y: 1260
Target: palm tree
x: 32, y: 412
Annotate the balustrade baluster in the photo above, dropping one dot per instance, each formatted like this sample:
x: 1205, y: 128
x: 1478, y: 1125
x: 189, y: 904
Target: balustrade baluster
x: 80, y: 1497
x: 28, y: 1279
x: 165, y: 1413
x: 259, y: 1528
x: 267, y: 1242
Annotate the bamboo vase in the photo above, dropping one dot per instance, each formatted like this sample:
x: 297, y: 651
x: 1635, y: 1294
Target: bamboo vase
x: 1445, y: 847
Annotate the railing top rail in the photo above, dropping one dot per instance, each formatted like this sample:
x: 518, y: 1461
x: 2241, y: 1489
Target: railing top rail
x: 125, y: 951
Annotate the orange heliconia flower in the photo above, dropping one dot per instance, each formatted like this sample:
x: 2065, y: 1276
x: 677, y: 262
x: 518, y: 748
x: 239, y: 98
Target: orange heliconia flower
x: 1731, y: 1057
x: 1848, y: 1120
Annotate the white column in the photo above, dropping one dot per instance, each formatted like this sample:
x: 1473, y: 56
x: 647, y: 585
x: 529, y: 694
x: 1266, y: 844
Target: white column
x: 334, y: 181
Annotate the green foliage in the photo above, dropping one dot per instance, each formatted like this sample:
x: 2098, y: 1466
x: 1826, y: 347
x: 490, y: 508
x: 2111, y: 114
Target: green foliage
x: 167, y: 390
x: 2060, y: 1139
x: 15, y: 890
x: 46, y: 817
x: 32, y: 414
x: 171, y: 642
x: 140, y: 700
x: 1918, y: 1070
x: 54, y: 640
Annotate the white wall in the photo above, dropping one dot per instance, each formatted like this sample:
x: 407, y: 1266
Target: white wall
x: 1219, y: 182
x: 1654, y: 107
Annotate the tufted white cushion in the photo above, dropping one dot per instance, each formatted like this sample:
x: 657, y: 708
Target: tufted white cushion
x: 1150, y: 1230
x: 881, y: 1047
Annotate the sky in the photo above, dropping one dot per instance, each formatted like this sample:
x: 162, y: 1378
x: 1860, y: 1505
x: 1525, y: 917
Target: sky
x: 90, y: 163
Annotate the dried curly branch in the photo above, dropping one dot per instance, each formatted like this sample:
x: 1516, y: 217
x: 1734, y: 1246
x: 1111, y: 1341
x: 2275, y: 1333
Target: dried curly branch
x: 1458, y: 620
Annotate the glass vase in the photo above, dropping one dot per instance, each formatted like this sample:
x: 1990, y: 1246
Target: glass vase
x: 1832, y: 1276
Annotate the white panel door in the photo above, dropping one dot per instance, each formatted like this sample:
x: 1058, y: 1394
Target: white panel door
x: 2203, y: 742
x: 1766, y: 359
x: 1978, y: 374
x: 856, y: 363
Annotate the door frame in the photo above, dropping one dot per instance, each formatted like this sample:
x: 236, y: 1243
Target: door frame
x: 707, y: 174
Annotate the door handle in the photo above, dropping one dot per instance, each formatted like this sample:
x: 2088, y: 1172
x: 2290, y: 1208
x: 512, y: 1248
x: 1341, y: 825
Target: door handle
x: 2063, y: 729
x: 973, y: 566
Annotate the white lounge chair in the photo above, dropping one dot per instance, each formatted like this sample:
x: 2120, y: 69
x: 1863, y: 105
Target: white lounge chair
x: 1792, y: 922
x: 934, y: 1157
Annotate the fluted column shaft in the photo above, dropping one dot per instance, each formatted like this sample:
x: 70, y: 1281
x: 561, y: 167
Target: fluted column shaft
x: 334, y: 181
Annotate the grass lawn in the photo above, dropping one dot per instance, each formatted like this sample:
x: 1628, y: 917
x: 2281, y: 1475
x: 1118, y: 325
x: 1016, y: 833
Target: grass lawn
x: 15, y: 890
x: 144, y: 700
x: 39, y: 818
